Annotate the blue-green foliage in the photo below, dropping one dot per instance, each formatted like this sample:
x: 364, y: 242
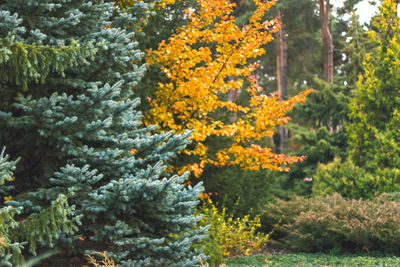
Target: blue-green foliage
x: 79, y: 137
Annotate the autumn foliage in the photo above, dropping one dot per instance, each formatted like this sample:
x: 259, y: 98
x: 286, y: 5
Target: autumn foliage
x: 204, y: 61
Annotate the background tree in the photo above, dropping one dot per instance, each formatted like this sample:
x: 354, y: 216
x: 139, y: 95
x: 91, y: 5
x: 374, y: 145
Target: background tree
x: 374, y: 113
x: 327, y: 42
x: 373, y: 118
x: 294, y: 59
x: 316, y: 129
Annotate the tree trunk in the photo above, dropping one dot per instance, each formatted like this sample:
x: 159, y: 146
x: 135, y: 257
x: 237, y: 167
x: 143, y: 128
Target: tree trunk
x: 281, y: 69
x: 281, y: 59
x: 233, y: 95
x: 327, y: 44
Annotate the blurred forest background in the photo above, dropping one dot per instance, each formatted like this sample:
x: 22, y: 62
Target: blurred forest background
x: 184, y: 132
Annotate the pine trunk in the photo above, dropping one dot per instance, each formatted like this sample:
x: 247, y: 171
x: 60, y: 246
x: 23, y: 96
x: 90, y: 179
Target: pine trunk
x: 281, y: 69
x: 327, y: 44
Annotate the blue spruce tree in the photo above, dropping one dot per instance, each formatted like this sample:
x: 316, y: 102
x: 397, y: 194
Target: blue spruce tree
x: 80, y: 140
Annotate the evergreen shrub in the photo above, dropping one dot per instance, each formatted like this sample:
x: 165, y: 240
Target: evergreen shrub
x: 326, y: 223
x: 352, y: 181
x: 320, y: 146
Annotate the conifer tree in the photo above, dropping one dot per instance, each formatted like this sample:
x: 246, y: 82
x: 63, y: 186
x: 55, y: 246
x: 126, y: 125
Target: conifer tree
x: 80, y: 139
x: 374, y: 111
x: 374, y: 119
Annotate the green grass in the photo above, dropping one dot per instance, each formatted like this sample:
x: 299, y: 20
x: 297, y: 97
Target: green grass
x: 314, y: 260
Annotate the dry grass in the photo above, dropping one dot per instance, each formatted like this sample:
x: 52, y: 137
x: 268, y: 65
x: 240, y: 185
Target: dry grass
x: 3, y: 242
x: 106, y: 262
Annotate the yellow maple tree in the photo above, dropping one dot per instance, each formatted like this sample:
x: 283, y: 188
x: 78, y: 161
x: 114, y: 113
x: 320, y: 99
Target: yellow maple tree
x: 204, y: 61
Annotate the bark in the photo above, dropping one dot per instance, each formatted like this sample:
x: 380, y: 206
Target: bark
x: 281, y: 69
x: 327, y: 43
x: 233, y: 95
x: 281, y: 59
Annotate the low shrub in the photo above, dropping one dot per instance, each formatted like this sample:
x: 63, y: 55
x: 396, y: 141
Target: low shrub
x: 333, y: 223
x: 229, y: 236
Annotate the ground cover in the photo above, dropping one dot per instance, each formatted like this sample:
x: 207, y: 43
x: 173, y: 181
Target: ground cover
x: 314, y: 260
